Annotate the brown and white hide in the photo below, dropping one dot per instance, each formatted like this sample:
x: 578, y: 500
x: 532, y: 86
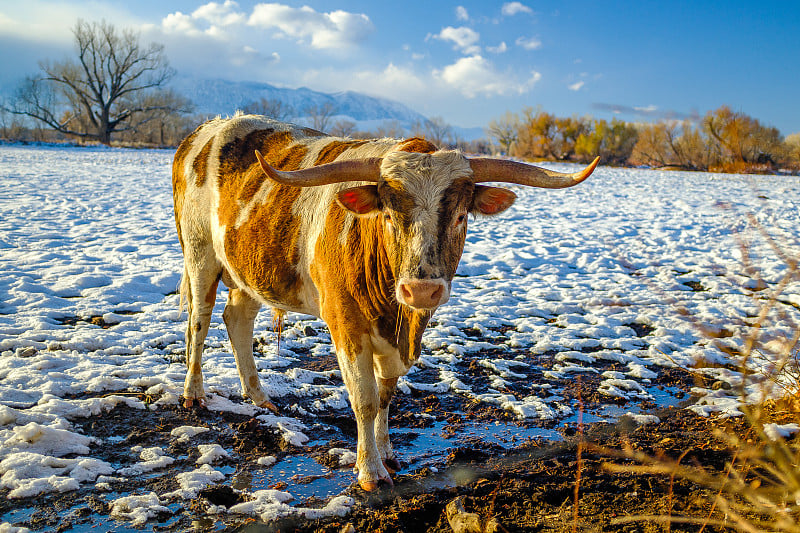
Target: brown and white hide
x: 366, y: 235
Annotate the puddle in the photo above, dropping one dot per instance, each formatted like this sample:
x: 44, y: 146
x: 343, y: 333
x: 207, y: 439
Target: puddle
x: 303, y: 477
x: 430, y: 446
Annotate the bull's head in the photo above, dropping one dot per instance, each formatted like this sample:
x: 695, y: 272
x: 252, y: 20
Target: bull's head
x: 423, y: 200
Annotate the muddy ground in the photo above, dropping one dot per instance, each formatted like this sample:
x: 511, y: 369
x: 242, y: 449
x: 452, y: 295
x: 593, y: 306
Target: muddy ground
x: 525, y: 479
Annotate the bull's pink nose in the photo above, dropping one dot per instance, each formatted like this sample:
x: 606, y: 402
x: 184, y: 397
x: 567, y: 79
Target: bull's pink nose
x: 421, y: 294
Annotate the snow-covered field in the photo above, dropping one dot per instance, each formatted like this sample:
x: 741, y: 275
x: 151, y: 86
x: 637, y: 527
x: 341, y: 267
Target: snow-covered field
x: 584, y: 276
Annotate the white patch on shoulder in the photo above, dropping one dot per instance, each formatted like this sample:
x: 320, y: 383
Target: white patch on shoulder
x: 386, y: 359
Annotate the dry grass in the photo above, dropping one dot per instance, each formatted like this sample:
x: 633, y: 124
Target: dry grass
x: 759, y: 487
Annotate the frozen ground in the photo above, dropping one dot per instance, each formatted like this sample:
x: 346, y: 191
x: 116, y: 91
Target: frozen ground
x: 581, y: 283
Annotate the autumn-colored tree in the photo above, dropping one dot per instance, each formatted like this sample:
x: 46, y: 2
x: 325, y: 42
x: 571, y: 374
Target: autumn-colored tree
x: 737, y: 140
x: 793, y: 150
x: 651, y: 148
x: 537, y: 135
x: 613, y: 141
x: 568, y: 131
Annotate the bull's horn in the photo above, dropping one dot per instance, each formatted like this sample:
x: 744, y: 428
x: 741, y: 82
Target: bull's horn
x: 499, y: 170
x: 337, y: 172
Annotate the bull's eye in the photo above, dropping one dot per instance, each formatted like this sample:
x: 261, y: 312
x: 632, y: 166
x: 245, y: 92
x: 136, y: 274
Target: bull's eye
x: 387, y: 216
x: 461, y: 218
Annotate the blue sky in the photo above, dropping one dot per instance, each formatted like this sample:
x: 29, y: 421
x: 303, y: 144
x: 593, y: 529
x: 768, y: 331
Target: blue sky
x: 465, y: 61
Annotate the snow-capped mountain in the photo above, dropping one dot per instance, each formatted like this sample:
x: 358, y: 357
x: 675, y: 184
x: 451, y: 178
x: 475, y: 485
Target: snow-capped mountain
x: 223, y: 97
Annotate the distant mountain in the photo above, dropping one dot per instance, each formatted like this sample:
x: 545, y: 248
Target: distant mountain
x: 224, y: 97
x: 213, y: 97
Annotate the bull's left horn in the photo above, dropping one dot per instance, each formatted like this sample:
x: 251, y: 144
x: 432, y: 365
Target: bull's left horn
x: 337, y: 172
x: 499, y: 170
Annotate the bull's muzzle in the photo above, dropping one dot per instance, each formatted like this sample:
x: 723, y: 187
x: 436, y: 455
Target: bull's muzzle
x: 422, y: 293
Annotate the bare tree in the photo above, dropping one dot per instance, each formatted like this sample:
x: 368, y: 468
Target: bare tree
x: 343, y: 128
x: 439, y: 132
x: 320, y: 115
x: 113, y: 80
x: 391, y: 129
x: 271, y: 108
x: 505, y: 130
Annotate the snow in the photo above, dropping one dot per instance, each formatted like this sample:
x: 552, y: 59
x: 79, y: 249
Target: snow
x: 622, y: 268
x: 346, y: 457
x: 153, y: 458
x: 271, y: 504
x: 776, y: 431
x: 267, y: 460
x: 138, y: 508
x: 192, y: 482
x: 185, y: 433
x: 211, y: 453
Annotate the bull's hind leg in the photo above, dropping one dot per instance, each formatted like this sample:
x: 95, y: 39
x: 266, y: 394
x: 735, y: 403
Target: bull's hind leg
x: 386, y: 389
x: 239, y: 315
x: 203, y: 273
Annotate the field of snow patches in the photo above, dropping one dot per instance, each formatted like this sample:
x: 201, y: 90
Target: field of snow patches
x: 563, y: 284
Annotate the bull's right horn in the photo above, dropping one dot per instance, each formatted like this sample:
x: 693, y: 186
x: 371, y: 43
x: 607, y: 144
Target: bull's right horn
x: 336, y: 172
x: 500, y: 170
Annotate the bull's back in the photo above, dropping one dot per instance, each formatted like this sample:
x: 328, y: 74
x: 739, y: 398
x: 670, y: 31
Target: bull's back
x: 263, y: 233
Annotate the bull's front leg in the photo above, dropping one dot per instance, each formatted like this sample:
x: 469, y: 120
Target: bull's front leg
x: 355, y: 362
x: 386, y: 388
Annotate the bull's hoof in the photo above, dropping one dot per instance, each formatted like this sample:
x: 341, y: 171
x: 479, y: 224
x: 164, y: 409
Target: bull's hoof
x: 392, y: 465
x: 368, y: 486
x: 188, y: 403
x: 266, y: 404
x: 372, y: 486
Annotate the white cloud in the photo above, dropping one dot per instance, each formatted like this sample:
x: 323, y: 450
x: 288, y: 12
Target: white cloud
x: 324, y: 30
x: 529, y: 43
x: 180, y: 23
x: 211, y: 19
x: 513, y: 8
x: 576, y: 86
x: 499, y: 49
x: 476, y: 75
x: 464, y: 38
x: 461, y: 13
x: 219, y: 14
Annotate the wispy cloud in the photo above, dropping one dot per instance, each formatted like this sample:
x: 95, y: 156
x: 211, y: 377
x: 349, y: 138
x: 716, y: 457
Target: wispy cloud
x: 462, y: 13
x: 529, y: 43
x: 650, y: 111
x: 463, y: 38
x: 577, y: 86
x: 514, y: 8
x: 499, y: 49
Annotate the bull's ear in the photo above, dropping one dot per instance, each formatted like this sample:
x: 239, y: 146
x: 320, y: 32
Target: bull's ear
x: 361, y: 200
x: 491, y: 200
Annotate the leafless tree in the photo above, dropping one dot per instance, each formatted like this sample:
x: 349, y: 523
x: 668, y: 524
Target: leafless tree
x: 271, y: 108
x: 437, y: 131
x: 320, y: 115
x: 343, y: 128
x: 505, y: 130
x: 113, y: 80
x: 391, y: 129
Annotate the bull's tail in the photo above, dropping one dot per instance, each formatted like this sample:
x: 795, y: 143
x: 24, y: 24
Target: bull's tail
x: 185, y: 292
